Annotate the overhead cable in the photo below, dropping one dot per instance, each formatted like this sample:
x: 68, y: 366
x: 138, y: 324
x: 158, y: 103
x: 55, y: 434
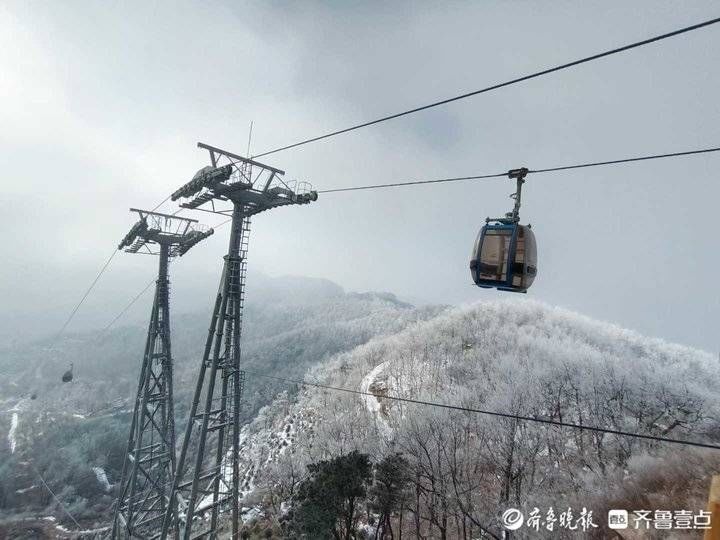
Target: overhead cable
x: 62, y: 506
x: 498, y: 85
x: 537, y: 419
x: 533, y: 171
x: 84, y: 297
x: 144, y: 290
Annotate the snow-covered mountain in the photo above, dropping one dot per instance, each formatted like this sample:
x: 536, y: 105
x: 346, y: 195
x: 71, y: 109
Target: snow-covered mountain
x: 75, y: 434
x: 517, y: 357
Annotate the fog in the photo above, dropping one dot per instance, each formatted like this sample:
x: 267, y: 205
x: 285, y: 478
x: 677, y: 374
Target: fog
x: 101, y: 107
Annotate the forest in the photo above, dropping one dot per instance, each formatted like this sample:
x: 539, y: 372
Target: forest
x: 319, y: 463
x: 292, y: 324
x: 453, y: 473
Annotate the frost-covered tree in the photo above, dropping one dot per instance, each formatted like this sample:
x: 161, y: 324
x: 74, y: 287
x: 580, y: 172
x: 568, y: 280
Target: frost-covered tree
x: 522, y: 358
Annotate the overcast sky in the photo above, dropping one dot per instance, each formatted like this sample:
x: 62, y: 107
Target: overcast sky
x: 102, y: 104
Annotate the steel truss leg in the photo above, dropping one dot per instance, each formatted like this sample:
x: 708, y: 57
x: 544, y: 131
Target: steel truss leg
x: 214, y: 482
x: 150, y: 456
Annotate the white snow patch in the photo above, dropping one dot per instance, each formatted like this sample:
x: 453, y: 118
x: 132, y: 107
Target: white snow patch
x: 257, y: 450
x: 11, y: 434
x: 80, y: 416
x: 17, y: 407
x: 84, y: 531
x: 367, y: 531
x: 248, y: 514
x: 227, y: 473
x: 102, y: 478
x: 372, y: 403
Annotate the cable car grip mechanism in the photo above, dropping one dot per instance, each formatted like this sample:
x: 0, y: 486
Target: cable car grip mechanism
x: 513, y: 216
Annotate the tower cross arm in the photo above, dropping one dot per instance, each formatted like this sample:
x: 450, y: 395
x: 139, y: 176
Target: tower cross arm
x: 218, y: 151
x: 255, y: 186
x: 155, y: 229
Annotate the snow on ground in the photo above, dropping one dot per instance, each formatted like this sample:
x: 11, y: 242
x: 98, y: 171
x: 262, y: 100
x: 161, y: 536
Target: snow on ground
x: 68, y: 532
x: 17, y: 407
x: 366, y: 530
x: 257, y: 450
x: 286, y: 432
x: 102, y: 478
x: 14, y: 422
x: 373, y: 385
x: 227, y: 472
x: 248, y: 514
x: 371, y: 403
x: 11, y: 434
x: 85, y: 531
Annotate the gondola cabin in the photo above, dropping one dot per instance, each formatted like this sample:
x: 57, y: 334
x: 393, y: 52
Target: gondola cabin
x: 504, y: 257
x: 68, y: 375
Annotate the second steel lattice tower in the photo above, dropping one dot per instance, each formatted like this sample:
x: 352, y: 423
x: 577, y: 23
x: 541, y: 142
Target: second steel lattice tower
x: 207, y: 480
x: 149, y: 463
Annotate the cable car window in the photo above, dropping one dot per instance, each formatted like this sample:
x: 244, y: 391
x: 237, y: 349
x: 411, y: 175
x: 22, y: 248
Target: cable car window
x: 474, y: 252
x: 494, y: 253
x: 520, y: 252
x: 531, y: 251
x: 530, y: 257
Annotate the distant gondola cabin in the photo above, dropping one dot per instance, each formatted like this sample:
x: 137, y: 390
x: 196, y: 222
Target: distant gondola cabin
x: 504, y: 257
x: 68, y: 375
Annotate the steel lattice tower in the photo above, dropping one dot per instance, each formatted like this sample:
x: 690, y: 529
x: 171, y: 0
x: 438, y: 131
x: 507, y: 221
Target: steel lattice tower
x: 149, y: 463
x: 209, y: 480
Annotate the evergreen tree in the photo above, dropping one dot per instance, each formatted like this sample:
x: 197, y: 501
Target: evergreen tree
x: 328, y: 501
x: 389, y: 492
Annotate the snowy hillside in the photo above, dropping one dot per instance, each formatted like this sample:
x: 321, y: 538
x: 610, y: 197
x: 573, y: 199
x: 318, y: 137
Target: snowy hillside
x: 520, y: 357
x: 291, y: 325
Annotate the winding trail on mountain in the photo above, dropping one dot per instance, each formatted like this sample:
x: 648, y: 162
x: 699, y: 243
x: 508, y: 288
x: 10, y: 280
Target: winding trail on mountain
x: 372, y: 403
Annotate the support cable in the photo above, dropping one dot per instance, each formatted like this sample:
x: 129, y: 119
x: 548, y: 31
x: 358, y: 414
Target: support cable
x: 535, y: 171
x: 457, y: 179
x: 626, y: 160
x: 415, y: 182
x: 499, y: 85
x: 494, y: 413
x: 158, y: 205
x: 431, y: 105
x: 87, y: 293
x: 145, y: 289
x: 44, y: 483
x: 97, y: 278
x: 127, y: 307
